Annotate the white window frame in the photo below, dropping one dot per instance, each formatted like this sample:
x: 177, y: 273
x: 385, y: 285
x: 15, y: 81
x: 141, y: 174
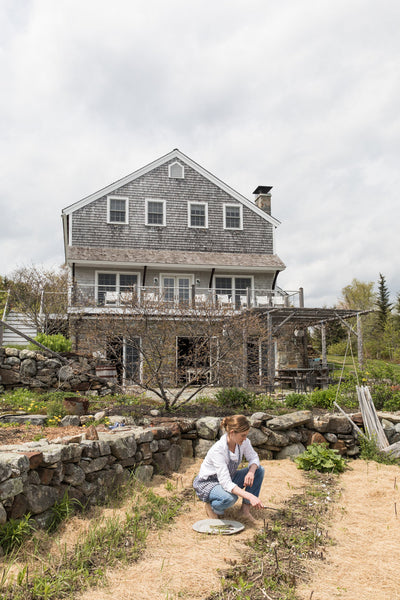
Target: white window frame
x: 176, y: 276
x: 164, y: 203
x: 240, y: 207
x: 194, y: 203
x: 126, y: 199
x: 117, y: 280
x: 182, y: 176
x: 232, y: 278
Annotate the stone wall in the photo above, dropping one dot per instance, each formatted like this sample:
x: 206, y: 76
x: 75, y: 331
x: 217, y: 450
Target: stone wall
x: 35, y: 371
x: 35, y: 475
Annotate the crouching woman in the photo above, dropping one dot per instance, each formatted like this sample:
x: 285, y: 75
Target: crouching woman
x: 220, y: 482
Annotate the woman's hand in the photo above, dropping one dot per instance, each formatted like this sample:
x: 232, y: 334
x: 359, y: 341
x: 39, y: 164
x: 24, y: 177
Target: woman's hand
x: 254, y: 501
x: 249, y: 479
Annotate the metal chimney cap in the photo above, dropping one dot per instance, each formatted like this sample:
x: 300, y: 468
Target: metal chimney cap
x: 263, y: 189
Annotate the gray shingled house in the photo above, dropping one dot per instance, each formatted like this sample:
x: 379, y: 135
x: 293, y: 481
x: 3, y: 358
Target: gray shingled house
x: 170, y: 232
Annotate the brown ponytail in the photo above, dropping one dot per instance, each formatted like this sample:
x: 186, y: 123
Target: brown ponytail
x: 235, y: 424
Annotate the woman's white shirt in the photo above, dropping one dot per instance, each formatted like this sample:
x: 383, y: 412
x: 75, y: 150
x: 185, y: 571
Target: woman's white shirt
x: 217, y: 460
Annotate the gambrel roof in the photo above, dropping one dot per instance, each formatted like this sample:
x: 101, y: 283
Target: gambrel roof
x: 178, y: 155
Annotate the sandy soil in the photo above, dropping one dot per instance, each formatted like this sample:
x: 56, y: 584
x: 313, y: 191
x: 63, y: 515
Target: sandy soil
x: 364, y: 562
x: 180, y: 563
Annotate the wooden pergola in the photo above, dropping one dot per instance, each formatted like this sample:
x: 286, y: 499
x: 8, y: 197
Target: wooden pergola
x: 301, y: 318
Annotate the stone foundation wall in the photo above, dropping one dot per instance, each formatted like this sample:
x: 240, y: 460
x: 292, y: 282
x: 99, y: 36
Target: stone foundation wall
x: 35, y: 371
x: 35, y: 475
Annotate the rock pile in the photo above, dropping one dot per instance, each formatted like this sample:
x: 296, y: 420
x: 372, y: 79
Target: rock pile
x: 33, y: 370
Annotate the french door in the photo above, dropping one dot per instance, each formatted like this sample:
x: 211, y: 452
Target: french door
x: 176, y: 288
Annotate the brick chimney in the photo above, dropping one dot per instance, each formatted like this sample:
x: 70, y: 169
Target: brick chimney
x: 263, y: 197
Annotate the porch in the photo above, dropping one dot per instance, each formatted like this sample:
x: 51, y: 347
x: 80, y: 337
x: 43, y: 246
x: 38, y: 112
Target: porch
x: 178, y: 294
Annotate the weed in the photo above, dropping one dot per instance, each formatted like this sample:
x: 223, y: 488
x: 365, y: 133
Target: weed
x: 14, y: 532
x: 370, y: 451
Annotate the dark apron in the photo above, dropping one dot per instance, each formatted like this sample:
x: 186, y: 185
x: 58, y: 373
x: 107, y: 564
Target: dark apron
x: 203, y: 487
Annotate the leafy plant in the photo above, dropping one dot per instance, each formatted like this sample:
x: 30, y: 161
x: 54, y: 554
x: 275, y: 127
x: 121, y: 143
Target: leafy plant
x: 320, y: 457
x: 234, y: 396
x: 56, y: 342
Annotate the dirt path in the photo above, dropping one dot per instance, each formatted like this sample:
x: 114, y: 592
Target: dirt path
x: 364, y: 562
x: 180, y: 563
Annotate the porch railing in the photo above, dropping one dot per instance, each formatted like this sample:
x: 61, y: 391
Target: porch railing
x: 88, y: 296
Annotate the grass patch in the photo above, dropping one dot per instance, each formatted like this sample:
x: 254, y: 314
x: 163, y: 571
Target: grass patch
x: 107, y: 542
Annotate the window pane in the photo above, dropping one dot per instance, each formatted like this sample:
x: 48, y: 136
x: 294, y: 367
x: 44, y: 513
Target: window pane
x: 126, y: 282
x: 197, y: 215
x: 183, y: 287
x: 117, y: 210
x: 241, y: 285
x: 155, y: 213
x: 169, y: 288
x: 223, y: 285
x: 132, y: 359
x: 232, y: 217
x: 107, y: 282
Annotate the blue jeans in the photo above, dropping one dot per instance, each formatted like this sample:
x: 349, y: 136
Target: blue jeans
x: 220, y: 499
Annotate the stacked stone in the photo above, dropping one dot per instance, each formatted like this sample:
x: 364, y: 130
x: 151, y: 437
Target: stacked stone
x: 285, y: 436
x: 33, y: 370
x: 35, y: 475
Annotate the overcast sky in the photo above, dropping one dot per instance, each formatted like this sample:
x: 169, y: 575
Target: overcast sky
x: 303, y: 95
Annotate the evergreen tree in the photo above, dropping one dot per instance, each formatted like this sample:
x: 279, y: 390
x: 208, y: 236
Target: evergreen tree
x: 382, y: 302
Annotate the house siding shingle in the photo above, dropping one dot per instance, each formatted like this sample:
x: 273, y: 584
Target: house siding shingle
x: 90, y: 227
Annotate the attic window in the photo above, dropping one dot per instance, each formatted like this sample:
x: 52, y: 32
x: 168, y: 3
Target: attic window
x: 176, y: 171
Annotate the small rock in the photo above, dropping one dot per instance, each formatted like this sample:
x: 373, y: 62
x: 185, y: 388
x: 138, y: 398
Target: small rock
x: 91, y: 433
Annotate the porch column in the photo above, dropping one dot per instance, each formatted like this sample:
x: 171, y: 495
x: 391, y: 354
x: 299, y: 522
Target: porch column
x: 323, y: 345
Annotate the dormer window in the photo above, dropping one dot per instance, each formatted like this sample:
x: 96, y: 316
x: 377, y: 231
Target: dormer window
x: 117, y: 209
x: 176, y: 171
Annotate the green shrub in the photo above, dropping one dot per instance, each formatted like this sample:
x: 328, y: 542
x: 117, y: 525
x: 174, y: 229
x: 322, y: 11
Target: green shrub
x: 56, y: 342
x: 234, y: 397
x: 295, y: 400
x: 319, y: 457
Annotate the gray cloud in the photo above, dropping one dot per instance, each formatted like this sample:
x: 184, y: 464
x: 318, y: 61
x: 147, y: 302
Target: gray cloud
x: 299, y: 95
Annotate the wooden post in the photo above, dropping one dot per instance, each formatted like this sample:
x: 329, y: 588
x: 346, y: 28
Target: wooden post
x: 323, y: 345
x: 244, y: 362
x: 271, y: 357
x: 360, y: 346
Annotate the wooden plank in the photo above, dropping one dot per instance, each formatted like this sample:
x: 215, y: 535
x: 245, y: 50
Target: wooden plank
x: 393, y: 450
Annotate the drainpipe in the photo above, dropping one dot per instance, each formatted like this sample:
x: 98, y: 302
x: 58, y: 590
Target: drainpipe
x: 211, y: 278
